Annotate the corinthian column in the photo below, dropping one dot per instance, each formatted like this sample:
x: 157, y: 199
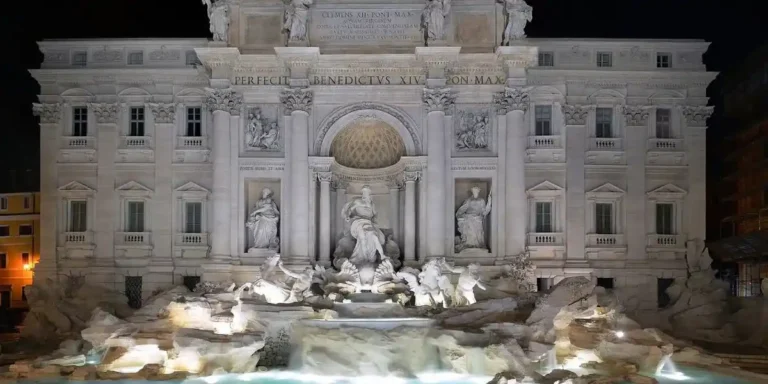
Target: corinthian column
x: 636, y: 131
x: 575, y: 117
x: 106, y: 116
x: 437, y: 101
x: 164, y: 116
x: 325, y: 217
x: 224, y: 103
x: 297, y: 103
x: 410, y: 217
x: 513, y: 103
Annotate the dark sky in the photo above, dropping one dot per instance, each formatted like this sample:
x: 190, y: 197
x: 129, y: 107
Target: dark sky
x: 733, y: 26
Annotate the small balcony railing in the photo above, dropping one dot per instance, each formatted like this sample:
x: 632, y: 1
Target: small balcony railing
x: 544, y: 142
x: 192, y: 142
x: 132, y: 238
x: 76, y: 238
x: 192, y: 239
x: 665, y: 145
x: 543, y: 239
x: 135, y: 142
x: 604, y: 144
x: 666, y: 241
x: 78, y: 142
x: 605, y: 240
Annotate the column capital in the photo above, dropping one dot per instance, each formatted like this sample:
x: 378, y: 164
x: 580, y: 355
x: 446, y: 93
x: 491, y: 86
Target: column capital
x: 163, y: 113
x: 106, y: 113
x: 636, y: 115
x: 226, y: 100
x: 339, y: 183
x: 296, y: 99
x: 696, y: 116
x: 511, y: 99
x: 49, y: 113
x: 411, y: 176
x: 324, y: 177
x: 438, y: 99
x: 576, y: 114
x: 395, y: 183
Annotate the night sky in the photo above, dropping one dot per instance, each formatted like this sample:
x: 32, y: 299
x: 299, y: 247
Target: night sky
x: 733, y: 26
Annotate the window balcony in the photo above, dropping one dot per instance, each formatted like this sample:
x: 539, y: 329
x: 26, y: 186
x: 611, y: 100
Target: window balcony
x: 192, y: 142
x: 544, y: 142
x: 76, y: 238
x: 545, y: 239
x: 132, y: 239
x: 78, y: 142
x: 135, y: 142
x: 665, y: 145
x: 595, y: 240
x: 604, y: 144
x: 192, y: 239
x: 666, y: 241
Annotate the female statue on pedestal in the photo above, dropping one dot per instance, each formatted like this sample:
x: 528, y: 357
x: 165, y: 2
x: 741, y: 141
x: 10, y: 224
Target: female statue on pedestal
x: 470, y: 218
x: 262, y: 222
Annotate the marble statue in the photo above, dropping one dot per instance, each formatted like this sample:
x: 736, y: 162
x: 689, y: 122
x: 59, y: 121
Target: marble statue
x: 361, y: 214
x: 464, y: 294
x: 470, y: 218
x: 218, y: 14
x: 473, y: 132
x: 295, y: 19
x: 430, y: 287
x: 518, y: 15
x: 263, y: 221
x: 277, y: 290
x: 433, y: 19
x: 260, y: 133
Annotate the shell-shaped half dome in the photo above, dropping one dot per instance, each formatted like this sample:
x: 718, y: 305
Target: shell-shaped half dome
x: 368, y: 144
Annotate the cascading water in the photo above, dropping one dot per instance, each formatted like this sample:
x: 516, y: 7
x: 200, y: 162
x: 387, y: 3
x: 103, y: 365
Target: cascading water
x: 667, y: 369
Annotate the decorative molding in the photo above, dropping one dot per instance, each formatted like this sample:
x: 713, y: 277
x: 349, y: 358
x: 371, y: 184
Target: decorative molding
x: 411, y: 177
x: 296, y: 99
x: 107, y: 56
x: 76, y: 188
x: 474, y: 164
x: 511, y: 99
x: 696, y: 116
x: 163, y: 113
x: 56, y: 57
x: 339, y: 183
x: 606, y: 191
x: 226, y: 100
x: 163, y: 55
x: 576, y: 114
x: 438, y: 99
x: 105, y: 113
x: 324, y: 177
x: 49, y: 113
x: 192, y: 190
x: 545, y: 189
x: 636, y: 116
x: 667, y: 191
x: 133, y: 188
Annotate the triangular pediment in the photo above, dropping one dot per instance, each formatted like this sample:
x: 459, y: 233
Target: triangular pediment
x: 192, y: 187
x: 133, y: 186
x: 75, y: 186
x: 607, y: 188
x: 547, y: 188
x: 668, y: 190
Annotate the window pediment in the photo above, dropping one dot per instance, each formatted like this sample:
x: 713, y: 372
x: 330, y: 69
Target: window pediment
x: 606, y: 191
x: 667, y: 191
x: 192, y: 190
x: 134, y: 189
x: 76, y: 189
x: 545, y: 189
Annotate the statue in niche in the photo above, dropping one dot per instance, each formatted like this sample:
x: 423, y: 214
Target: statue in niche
x: 472, y: 134
x: 262, y: 222
x: 471, y: 221
x: 218, y: 15
x: 519, y: 13
x: 295, y: 19
x: 433, y: 19
x: 361, y: 214
x: 261, y: 133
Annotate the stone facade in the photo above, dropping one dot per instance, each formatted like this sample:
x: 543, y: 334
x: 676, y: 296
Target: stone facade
x: 578, y: 158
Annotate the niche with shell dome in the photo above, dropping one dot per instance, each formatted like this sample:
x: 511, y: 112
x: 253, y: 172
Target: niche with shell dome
x: 367, y: 143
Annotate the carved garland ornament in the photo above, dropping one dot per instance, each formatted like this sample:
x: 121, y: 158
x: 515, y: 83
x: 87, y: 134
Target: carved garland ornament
x: 226, y: 100
x: 164, y: 113
x: 49, y: 113
x: 636, y: 116
x: 438, y: 99
x: 511, y: 99
x: 105, y: 113
x: 696, y: 116
x: 296, y: 99
x: 576, y: 114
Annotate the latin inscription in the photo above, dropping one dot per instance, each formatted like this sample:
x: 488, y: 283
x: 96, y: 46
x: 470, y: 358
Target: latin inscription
x: 372, y: 80
x: 360, y: 26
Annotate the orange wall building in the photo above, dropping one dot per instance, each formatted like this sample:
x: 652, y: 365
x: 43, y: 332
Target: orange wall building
x: 19, y: 245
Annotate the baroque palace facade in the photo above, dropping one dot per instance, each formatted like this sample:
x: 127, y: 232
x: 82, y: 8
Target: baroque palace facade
x: 165, y: 161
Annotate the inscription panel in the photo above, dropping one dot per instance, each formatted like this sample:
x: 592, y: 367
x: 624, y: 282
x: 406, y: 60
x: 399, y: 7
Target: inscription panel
x: 360, y: 26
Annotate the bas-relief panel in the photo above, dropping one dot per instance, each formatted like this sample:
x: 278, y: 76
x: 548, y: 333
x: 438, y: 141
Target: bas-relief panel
x: 473, y: 130
x: 474, y: 28
x: 263, y: 29
x: 263, y: 131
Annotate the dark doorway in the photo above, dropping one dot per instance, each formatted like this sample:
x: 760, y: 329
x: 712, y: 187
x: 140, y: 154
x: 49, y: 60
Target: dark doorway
x: 5, y: 299
x: 605, y: 282
x: 191, y: 282
x: 662, y: 299
x: 543, y: 284
x: 133, y: 290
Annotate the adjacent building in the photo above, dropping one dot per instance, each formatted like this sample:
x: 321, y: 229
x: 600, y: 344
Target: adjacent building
x: 158, y: 155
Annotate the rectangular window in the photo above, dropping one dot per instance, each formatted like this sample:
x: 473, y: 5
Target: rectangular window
x: 603, y: 123
x: 80, y: 59
x: 77, y: 215
x: 663, y: 60
x: 663, y: 126
x: 5, y: 231
x: 604, y: 59
x: 3, y: 203
x: 546, y: 59
x: 543, y: 284
x: 25, y: 258
x: 193, y: 217
x: 605, y: 282
x: 137, y: 121
x: 136, y: 58
x: 604, y: 218
x: 135, y: 216
x: 3, y: 261
x: 664, y: 218
x: 194, y: 122
x: 80, y: 121
x: 26, y: 202
x: 543, y: 120
x: 543, y: 217
x: 25, y: 230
